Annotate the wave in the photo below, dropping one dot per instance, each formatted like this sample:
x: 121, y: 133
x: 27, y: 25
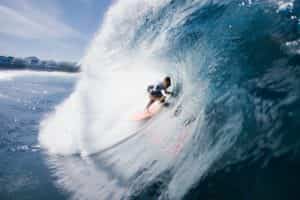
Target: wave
x: 235, y: 69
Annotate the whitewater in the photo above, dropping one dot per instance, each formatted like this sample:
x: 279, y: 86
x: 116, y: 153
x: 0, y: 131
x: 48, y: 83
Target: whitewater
x: 235, y: 71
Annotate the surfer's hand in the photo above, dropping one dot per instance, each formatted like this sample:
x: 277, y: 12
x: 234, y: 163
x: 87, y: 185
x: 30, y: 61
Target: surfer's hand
x: 169, y: 93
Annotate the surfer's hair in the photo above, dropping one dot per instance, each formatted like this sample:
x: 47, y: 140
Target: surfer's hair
x: 167, y: 79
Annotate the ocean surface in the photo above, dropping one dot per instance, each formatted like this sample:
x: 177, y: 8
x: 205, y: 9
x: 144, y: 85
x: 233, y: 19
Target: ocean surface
x: 230, y: 132
x: 25, y: 97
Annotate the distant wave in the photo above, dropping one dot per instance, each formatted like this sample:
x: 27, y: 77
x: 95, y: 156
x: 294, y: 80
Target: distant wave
x: 33, y: 63
x: 41, y: 68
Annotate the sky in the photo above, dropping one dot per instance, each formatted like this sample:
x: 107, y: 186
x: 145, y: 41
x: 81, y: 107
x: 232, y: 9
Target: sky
x: 49, y: 29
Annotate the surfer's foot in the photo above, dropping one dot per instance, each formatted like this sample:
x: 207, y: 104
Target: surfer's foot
x: 166, y: 104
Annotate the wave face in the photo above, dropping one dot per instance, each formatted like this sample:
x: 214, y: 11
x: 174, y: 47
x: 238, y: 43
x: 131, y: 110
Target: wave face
x: 234, y: 121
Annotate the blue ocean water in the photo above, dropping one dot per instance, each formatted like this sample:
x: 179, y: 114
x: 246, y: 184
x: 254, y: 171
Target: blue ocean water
x: 231, y: 132
x: 24, y: 99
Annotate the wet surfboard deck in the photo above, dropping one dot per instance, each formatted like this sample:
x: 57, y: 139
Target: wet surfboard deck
x: 147, y: 114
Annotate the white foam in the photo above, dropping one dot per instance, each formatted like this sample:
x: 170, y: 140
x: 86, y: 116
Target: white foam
x: 111, y: 88
x: 11, y: 74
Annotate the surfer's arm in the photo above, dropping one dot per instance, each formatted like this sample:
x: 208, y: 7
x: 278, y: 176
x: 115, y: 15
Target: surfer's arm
x: 166, y: 92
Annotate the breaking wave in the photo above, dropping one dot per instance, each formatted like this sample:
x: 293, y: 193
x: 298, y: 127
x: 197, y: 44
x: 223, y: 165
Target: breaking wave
x: 235, y: 70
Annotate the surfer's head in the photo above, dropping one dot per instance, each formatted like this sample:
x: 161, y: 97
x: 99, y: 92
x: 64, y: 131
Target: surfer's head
x: 167, y: 81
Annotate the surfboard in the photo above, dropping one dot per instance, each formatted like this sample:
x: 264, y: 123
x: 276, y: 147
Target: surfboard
x: 146, y: 114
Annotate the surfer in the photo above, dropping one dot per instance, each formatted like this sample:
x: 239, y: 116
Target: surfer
x: 158, y: 92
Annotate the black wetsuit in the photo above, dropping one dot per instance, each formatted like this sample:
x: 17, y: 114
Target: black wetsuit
x: 156, y: 90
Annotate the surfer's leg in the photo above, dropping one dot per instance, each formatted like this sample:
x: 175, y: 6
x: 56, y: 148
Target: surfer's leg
x: 151, y: 101
x: 162, y: 99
